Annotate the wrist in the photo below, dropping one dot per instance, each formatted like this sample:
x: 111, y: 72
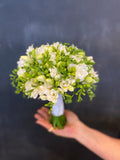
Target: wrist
x: 80, y: 131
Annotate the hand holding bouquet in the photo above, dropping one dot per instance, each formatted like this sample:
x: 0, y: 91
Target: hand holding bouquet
x: 53, y: 73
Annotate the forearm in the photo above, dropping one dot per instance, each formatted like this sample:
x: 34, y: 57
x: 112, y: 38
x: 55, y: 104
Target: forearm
x: 104, y: 146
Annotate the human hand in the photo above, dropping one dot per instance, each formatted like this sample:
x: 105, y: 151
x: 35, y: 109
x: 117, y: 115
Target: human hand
x: 70, y: 129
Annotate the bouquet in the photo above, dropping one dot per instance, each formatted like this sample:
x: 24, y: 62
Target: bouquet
x: 55, y: 73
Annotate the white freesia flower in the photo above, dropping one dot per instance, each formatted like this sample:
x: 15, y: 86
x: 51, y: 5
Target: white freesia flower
x: 93, y: 73
x: 41, y: 49
x: 67, y: 53
x: 43, y: 92
x: 61, y: 90
x: 35, y: 93
x: 20, y: 63
x: 28, y: 85
x: 78, y: 58
x: 26, y: 59
x: 52, y: 96
x: 53, y: 57
x: 43, y: 89
x: 81, y: 72
x: 41, y: 78
x: 49, y: 83
x: 65, y: 84
x: 53, y: 71
x: 62, y: 48
x: 40, y: 91
x: 83, y: 66
x: 21, y: 72
x: 49, y: 86
x: 56, y: 44
x: 90, y: 58
x: 30, y: 49
x: 23, y: 61
x: 72, y: 81
x: 73, y: 46
x: 46, y: 91
x: 43, y: 97
x: 58, y: 76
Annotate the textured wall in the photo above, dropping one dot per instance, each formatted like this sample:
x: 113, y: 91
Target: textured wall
x: 91, y: 25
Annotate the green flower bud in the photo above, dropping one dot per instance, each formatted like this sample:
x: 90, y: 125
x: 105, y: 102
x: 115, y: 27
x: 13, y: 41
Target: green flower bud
x: 39, y: 73
x: 87, y: 85
x: 57, y: 83
x: 50, y: 49
x: 26, y: 59
x: 71, y: 88
x: 50, y: 81
x: 21, y: 75
x: 78, y: 80
x: 48, y: 74
x: 35, y: 80
x: 74, y: 84
x: 59, y: 63
x: 47, y: 65
x: 89, y: 80
x: 73, y: 74
x: 46, y: 71
x: 39, y: 56
x: 82, y: 53
x: 72, y: 69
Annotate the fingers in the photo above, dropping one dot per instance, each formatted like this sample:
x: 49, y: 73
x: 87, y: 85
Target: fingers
x: 44, y: 113
x: 42, y: 118
x: 45, y: 109
x: 44, y: 123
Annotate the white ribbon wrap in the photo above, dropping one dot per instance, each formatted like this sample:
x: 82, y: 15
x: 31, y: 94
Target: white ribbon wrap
x: 58, y: 109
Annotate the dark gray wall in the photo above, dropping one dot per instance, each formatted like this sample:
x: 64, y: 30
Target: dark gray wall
x: 90, y: 24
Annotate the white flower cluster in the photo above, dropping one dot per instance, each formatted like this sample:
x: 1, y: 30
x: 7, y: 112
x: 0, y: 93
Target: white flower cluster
x: 46, y: 90
x: 20, y: 64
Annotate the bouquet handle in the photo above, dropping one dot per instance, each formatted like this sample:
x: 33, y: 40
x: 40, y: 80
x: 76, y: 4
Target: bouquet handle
x: 57, y: 118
